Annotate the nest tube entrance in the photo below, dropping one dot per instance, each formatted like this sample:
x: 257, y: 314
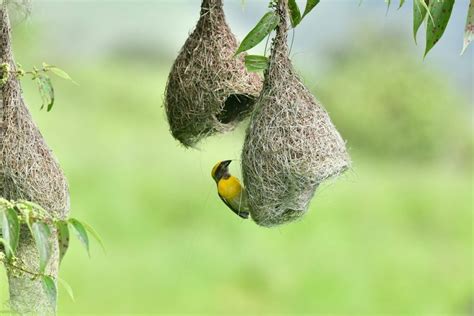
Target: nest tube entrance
x: 291, y: 145
x: 28, y: 171
x: 209, y: 90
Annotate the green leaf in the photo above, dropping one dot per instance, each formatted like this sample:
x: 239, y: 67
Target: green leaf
x: 10, y: 231
x: 46, y: 90
x: 295, y: 14
x: 49, y: 287
x: 41, y: 234
x: 26, y: 213
x: 255, y: 63
x: 67, y: 287
x: 58, y: 72
x: 63, y: 238
x: 5, y: 245
x: 401, y: 3
x: 94, y: 234
x: 419, y: 13
x: 33, y: 205
x: 310, y: 4
x: 440, y: 12
x: 264, y: 27
x: 81, y: 233
x: 469, y: 30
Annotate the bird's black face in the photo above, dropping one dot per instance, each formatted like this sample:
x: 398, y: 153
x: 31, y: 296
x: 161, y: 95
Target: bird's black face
x: 222, y: 170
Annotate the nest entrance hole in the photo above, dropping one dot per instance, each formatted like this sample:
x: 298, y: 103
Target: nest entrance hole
x: 235, y: 108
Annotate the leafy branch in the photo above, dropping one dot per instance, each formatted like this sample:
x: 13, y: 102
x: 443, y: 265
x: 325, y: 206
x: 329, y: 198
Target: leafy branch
x: 438, y: 11
x: 40, y: 75
x: 14, y: 214
x: 265, y: 27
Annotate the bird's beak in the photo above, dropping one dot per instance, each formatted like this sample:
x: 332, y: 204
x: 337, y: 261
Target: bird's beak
x: 226, y: 163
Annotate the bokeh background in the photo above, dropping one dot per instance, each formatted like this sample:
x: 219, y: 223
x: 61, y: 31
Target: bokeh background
x: 392, y: 236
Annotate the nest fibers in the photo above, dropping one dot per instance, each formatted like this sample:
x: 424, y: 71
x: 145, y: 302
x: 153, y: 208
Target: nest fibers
x: 28, y: 170
x: 209, y: 90
x: 291, y: 145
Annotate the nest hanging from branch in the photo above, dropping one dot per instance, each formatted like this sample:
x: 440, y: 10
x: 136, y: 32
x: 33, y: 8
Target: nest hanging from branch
x: 291, y: 145
x: 209, y: 90
x: 28, y: 169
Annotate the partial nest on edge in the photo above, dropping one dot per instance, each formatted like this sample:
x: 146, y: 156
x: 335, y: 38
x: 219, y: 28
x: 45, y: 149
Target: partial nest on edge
x: 19, y: 9
x: 28, y: 169
x: 291, y: 145
x: 209, y: 90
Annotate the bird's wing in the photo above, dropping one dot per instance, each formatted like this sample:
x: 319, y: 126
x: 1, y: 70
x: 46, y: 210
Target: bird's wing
x: 235, y: 208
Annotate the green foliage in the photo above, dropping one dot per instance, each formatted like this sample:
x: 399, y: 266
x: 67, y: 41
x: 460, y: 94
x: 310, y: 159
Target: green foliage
x: 295, y: 14
x: 42, y: 79
x: 67, y: 287
x: 46, y: 90
x: 440, y: 12
x: 58, y: 72
x: 49, y: 287
x: 6, y: 245
x: 81, y: 233
x: 4, y: 73
x: 10, y: 230
x: 255, y: 63
x: 420, y: 7
x: 310, y: 4
x: 63, y: 238
x: 94, y: 234
x: 469, y: 29
x: 41, y: 234
x: 39, y: 222
x: 263, y: 28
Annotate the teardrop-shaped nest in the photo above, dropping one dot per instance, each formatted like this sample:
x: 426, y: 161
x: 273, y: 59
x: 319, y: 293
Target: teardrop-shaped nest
x: 209, y: 90
x: 291, y: 145
x: 28, y: 169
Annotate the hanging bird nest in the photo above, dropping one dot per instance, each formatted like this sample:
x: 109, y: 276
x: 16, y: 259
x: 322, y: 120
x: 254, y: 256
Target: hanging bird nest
x: 291, y: 145
x: 28, y: 169
x: 19, y: 9
x: 209, y: 90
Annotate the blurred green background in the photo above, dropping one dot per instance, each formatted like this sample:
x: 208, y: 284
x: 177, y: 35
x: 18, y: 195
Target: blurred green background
x: 391, y: 236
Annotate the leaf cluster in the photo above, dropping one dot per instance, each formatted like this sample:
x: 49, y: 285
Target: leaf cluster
x: 40, y: 75
x: 438, y: 11
x: 436, y: 14
x: 264, y: 28
x: 14, y: 214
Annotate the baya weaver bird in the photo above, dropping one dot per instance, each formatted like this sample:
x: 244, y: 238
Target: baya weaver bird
x: 229, y: 189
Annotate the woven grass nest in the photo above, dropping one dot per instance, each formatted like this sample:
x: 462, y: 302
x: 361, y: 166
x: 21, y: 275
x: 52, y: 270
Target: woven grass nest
x: 28, y: 169
x: 209, y: 90
x: 291, y: 145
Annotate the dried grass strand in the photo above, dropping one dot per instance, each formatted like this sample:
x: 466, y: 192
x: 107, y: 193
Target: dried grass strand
x: 291, y: 145
x: 209, y: 90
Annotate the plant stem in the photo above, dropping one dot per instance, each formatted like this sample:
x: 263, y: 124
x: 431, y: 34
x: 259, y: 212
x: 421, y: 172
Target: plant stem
x: 15, y: 267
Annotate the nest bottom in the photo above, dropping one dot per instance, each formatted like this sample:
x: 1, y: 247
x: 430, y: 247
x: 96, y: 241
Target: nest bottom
x: 283, y: 194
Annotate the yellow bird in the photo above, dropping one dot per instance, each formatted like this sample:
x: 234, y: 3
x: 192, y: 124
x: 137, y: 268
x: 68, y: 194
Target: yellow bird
x: 229, y: 189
